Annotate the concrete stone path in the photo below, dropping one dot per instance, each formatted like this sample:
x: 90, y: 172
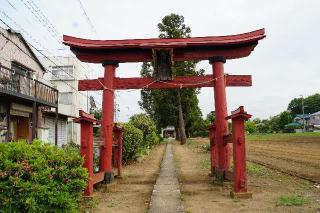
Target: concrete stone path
x: 166, y: 197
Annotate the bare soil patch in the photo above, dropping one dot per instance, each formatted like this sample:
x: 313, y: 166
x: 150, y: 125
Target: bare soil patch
x: 131, y: 193
x: 297, y: 157
x: 268, y: 186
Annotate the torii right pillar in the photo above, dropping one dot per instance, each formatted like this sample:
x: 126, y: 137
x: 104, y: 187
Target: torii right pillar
x: 220, y: 100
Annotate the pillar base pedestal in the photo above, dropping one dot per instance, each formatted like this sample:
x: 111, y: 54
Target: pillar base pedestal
x: 241, y: 195
x: 213, y: 172
x: 219, y: 177
x: 108, y: 177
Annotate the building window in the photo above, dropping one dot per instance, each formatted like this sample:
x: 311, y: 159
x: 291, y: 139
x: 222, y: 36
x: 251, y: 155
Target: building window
x: 65, y: 98
x: 19, y: 69
x: 21, y: 81
x: 62, y: 72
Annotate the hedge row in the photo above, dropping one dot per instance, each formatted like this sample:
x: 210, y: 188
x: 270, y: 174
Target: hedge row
x: 39, y: 177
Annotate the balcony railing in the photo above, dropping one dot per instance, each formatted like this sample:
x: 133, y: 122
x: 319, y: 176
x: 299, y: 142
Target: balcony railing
x: 23, y: 86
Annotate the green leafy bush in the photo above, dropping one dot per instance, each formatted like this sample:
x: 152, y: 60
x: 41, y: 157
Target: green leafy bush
x: 148, y: 128
x: 132, y: 141
x: 39, y: 177
x: 152, y: 139
x: 250, y: 127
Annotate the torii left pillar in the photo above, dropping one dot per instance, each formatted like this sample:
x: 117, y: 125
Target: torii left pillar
x: 107, y: 119
x: 220, y: 99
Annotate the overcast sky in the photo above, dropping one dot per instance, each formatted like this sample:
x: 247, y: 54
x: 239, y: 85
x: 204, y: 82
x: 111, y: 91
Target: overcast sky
x: 283, y: 66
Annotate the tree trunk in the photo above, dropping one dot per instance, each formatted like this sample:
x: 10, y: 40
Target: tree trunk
x: 177, y: 133
x: 182, y: 131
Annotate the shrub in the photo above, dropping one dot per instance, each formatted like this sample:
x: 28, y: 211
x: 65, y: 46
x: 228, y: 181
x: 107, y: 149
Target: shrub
x: 250, y: 127
x: 39, y: 177
x: 132, y: 142
x: 152, y: 139
x: 148, y: 128
x: 144, y: 123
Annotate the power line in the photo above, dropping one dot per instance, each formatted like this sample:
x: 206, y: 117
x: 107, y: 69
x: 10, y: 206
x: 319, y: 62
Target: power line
x: 53, y: 32
x: 43, y: 56
x: 47, y: 23
x: 26, y: 33
x: 99, y: 93
x: 8, y: 39
x: 87, y: 17
x: 11, y: 4
x: 40, y: 18
x: 45, y: 17
x: 5, y: 23
x: 30, y: 36
x: 37, y: 12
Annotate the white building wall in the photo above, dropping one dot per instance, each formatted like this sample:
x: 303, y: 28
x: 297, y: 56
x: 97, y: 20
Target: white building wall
x: 68, y: 84
x: 62, y: 130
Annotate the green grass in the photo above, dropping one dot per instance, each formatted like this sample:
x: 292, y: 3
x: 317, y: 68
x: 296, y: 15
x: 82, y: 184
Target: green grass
x: 182, y: 197
x: 205, y: 164
x: 191, y: 142
x: 110, y: 205
x: 187, y: 211
x: 205, y: 147
x: 291, y: 200
x: 89, y: 204
x: 257, y: 170
x: 236, y: 200
x: 281, y: 136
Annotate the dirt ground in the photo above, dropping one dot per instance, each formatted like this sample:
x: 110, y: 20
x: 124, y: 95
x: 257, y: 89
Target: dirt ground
x: 267, y: 186
x: 300, y: 157
x: 131, y: 193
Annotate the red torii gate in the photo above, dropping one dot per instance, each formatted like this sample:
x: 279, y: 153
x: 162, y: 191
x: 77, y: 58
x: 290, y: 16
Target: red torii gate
x: 216, y: 49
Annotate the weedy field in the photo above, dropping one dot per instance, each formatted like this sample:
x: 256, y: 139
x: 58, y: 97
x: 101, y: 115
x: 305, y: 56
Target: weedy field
x: 274, y: 189
x: 283, y: 175
x: 297, y: 154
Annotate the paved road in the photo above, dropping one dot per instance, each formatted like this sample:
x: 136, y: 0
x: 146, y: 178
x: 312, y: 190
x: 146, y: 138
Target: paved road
x: 166, y: 196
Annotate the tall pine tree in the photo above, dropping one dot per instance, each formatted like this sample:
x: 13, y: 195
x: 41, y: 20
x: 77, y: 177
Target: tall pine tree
x: 177, y: 107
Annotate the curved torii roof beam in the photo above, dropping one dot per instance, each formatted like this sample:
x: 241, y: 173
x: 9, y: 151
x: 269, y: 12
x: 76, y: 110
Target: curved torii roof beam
x: 184, y: 49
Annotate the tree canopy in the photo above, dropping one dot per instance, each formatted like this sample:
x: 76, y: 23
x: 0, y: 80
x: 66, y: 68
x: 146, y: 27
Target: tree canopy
x: 162, y: 105
x: 311, y: 104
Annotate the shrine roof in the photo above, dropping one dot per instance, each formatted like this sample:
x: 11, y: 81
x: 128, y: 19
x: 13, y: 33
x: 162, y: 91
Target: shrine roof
x: 138, y: 50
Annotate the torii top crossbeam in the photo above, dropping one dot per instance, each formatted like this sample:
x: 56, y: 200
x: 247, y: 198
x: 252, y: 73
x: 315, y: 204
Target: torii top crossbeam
x: 184, y: 49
